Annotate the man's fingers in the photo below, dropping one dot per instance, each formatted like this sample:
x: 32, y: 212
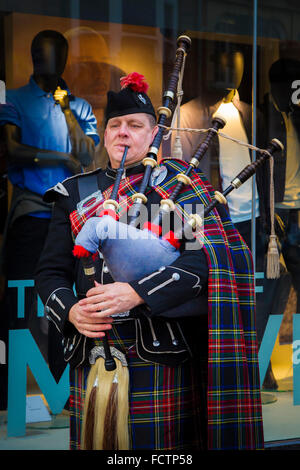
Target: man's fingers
x: 92, y: 299
x: 95, y: 326
x: 94, y: 333
x: 95, y: 320
x: 99, y: 289
x: 99, y: 307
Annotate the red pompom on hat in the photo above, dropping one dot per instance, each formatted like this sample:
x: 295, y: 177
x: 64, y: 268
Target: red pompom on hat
x: 135, y: 81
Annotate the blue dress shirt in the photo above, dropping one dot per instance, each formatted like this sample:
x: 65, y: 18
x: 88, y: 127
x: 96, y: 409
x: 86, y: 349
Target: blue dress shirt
x: 43, y: 125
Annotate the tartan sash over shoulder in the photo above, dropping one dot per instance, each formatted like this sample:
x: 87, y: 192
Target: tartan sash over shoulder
x: 128, y: 186
x: 233, y: 391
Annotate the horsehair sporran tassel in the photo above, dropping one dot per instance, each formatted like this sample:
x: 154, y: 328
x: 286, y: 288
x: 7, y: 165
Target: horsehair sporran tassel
x: 87, y: 434
x: 273, y: 264
x: 105, y: 414
x: 110, y: 439
x: 111, y: 408
x: 105, y: 423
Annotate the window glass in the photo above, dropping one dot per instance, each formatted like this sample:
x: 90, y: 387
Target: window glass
x: 278, y: 304
x: 243, y: 64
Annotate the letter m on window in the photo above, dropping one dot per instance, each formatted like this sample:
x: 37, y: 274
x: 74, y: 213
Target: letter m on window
x: 23, y: 352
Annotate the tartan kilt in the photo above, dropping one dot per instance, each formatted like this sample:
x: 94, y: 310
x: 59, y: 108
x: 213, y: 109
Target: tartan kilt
x: 167, y: 405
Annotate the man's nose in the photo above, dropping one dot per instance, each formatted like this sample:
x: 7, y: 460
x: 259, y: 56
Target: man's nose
x: 123, y: 129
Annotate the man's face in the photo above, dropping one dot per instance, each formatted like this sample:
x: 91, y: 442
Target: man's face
x: 132, y: 130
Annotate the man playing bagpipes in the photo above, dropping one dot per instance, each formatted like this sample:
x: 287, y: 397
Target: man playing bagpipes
x: 182, y: 335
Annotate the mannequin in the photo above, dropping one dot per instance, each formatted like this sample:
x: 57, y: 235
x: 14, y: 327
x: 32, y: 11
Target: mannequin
x: 283, y: 117
x: 49, y: 136
x: 225, y: 158
x: 49, y: 52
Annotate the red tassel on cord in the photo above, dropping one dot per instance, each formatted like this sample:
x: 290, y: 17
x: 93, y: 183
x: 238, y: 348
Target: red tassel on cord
x: 110, y: 212
x: 156, y: 229
x: 170, y: 237
x: 80, y: 252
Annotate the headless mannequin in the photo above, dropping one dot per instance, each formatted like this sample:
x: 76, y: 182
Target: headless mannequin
x: 28, y: 219
x: 49, y: 52
x: 282, y: 75
x: 219, y: 89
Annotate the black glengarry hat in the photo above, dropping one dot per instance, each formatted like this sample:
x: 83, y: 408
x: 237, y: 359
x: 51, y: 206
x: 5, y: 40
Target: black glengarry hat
x: 131, y: 99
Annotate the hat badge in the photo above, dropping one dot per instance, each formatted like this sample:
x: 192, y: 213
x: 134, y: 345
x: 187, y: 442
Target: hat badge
x: 141, y: 98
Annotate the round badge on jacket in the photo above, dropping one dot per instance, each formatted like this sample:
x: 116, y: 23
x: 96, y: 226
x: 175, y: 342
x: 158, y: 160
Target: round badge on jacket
x: 158, y: 175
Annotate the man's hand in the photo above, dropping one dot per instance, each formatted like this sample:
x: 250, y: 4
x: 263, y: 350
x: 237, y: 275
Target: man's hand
x: 83, y: 146
x: 88, y: 325
x: 92, y: 315
x: 61, y: 96
x: 116, y: 297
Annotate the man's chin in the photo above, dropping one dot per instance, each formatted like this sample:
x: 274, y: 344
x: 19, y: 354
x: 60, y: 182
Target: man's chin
x: 116, y: 160
x: 120, y: 149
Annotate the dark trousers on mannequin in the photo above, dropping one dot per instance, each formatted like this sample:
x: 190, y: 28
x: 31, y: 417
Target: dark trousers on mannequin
x: 290, y: 247
x: 24, y: 244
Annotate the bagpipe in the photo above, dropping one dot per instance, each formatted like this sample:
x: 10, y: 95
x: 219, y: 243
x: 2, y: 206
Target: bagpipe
x: 119, y: 243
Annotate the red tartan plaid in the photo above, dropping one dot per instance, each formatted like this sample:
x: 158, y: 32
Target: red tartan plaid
x: 127, y: 188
